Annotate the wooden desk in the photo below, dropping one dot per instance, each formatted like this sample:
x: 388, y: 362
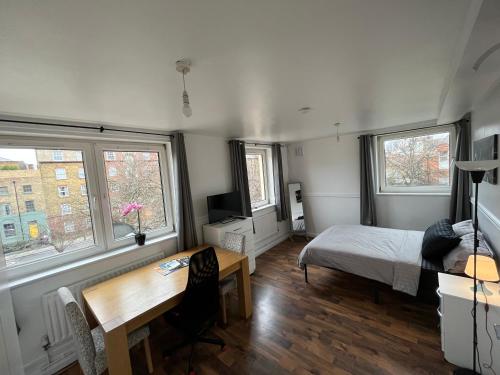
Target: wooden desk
x: 129, y: 301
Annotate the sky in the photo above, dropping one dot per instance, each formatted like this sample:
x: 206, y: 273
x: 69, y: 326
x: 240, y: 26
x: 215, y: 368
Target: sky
x: 27, y: 155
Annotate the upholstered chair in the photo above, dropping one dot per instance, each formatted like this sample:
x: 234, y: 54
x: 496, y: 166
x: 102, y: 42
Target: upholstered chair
x: 234, y: 242
x: 90, y: 343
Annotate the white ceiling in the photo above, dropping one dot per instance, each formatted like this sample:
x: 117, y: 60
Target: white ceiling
x: 366, y: 63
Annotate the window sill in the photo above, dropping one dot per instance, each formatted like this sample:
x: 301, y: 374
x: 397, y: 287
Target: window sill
x: 21, y: 281
x: 415, y: 194
x: 263, y: 210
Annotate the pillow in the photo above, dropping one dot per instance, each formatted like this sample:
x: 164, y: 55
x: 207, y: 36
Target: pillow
x: 456, y: 259
x: 439, y: 240
x: 463, y: 228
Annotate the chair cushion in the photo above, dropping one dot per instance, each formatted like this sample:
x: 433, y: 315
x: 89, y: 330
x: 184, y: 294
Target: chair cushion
x: 439, y: 240
x: 134, y: 338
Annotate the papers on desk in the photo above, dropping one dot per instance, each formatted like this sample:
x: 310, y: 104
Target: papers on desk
x: 172, y: 266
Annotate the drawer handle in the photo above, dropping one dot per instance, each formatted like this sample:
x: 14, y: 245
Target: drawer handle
x: 237, y: 229
x: 439, y: 312
x: 439, y: 293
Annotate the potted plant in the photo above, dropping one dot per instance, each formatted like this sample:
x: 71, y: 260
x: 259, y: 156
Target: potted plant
x: 140, y: 238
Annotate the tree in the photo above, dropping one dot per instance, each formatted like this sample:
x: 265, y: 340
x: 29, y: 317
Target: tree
x: 414, y: 161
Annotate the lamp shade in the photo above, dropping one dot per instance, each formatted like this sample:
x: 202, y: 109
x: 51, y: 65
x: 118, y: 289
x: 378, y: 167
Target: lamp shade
x: 478, y: 165
x: 486, y: 268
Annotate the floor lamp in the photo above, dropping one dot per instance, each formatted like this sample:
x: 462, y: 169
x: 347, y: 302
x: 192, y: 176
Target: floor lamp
x: 477, y: 169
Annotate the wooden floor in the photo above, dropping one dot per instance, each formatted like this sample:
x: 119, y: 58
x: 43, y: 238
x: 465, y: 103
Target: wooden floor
x: 329, y: 326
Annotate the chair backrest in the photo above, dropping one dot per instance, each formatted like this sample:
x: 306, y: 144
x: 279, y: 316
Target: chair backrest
x: 200, y: 303
x: 80, y: 330
x: 235, y: 242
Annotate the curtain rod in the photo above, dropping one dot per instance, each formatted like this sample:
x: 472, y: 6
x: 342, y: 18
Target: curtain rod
x: 410, y: 130
x: 100, y: 128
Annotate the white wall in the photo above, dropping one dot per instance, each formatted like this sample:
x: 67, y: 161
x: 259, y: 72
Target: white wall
x: 485, y: 122
x: 209, y: 173
x: 329, y: 172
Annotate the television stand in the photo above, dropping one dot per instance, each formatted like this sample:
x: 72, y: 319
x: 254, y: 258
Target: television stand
x: 213, y: 234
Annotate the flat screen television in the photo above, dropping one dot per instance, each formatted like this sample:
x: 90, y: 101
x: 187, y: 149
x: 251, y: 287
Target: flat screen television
x: 223, y: 206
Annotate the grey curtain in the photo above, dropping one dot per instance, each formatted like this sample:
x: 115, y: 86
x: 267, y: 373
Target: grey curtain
x: 460, y: 206
x: 186, y: 228
x: 240, y: 175
x: 279, y: 187
x: 368, y: 215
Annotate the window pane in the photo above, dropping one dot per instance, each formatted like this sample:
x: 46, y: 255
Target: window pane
x: 35, y: 228
x: 256, y: 179
x: 418, y: 161
x: 131, y: 178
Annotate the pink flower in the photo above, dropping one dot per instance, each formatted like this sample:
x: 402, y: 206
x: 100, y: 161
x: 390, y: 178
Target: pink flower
x: 131, y: 207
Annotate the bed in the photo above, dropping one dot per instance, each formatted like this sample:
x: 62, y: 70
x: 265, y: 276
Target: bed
x: 389, y: 256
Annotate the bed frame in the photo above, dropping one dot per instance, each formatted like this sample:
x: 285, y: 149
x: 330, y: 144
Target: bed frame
x: 427, y: 286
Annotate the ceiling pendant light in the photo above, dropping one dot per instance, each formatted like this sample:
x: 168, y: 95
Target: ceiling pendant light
x: 184, y: 66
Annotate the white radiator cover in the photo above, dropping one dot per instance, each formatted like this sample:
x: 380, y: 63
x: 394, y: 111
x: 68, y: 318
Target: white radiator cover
x: 53, y: 310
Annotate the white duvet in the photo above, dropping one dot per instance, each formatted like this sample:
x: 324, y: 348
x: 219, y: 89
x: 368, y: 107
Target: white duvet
x: 391, y: 256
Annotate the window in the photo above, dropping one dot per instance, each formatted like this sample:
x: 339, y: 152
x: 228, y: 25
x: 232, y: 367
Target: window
x: 63, y: 191
x: 65, y: 209
x: 137, y: 182
x: 9, y: 230
x: 6, y: 209
x: 146, y: 155
x: 60, y: 174
x: 112, y: 172
x: 27, y: 189
x: 67, y: 226
x: 415, y: 162
x: 109, y: 156
x: 259, y: 169
x: 30, y: 206
x: 57, y: 155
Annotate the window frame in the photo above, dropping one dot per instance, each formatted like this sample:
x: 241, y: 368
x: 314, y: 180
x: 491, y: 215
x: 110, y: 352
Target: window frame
x: 30, y: 191
x: 266, y: 153
x: 87, y: 145
x: 65, y: 174
x: 32, y: 204
x: 62, y: 188
x: 412, y: 190
x: 101, y: 152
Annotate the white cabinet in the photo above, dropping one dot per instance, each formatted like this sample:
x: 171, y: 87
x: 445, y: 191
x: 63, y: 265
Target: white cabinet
x: 213, y: 234
x: 456, y: 296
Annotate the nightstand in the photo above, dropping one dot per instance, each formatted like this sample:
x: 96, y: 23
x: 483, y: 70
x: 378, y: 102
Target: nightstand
x: 456, y: 295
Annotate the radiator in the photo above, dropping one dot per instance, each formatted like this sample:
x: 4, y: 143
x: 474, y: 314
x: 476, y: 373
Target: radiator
x: 55, y: 319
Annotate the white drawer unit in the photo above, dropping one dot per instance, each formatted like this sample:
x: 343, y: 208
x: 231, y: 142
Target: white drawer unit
x: 213, y: 234
x: 456, y: 296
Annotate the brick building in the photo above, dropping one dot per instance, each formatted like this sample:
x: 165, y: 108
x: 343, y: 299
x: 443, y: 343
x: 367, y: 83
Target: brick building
x: 65, y: 190
x: 22, y: 203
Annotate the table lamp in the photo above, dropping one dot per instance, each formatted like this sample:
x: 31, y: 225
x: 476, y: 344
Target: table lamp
x: 477, y: 169
x: 486, y: 270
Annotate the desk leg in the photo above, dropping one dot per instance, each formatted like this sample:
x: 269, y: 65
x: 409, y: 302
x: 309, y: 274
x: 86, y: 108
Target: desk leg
x: 244, y: 292
x: 117, y: 352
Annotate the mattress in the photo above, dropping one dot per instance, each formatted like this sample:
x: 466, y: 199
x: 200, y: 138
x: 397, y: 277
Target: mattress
x: 390, y: 256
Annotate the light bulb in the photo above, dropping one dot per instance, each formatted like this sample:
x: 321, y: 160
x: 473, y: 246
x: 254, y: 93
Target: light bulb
x: 186, y: 109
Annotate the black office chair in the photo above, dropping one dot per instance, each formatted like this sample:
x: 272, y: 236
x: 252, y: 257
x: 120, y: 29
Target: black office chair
x: 199, y: 308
